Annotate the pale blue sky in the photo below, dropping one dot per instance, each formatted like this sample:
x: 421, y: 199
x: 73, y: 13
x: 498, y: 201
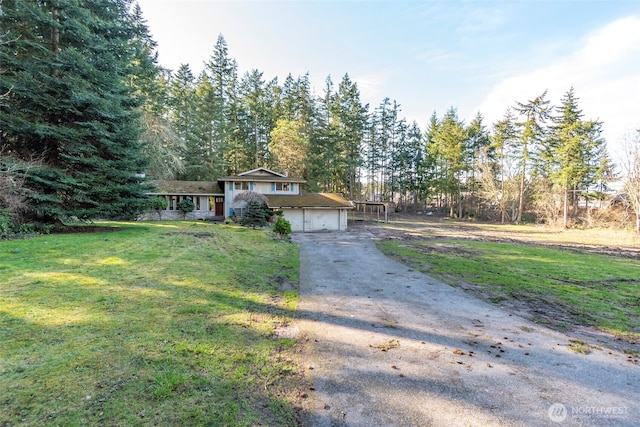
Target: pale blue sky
x: 427, y: 55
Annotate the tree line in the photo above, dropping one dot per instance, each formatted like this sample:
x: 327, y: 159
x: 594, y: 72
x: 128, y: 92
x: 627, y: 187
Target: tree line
x: 86, y: 110
x: 538, y: 160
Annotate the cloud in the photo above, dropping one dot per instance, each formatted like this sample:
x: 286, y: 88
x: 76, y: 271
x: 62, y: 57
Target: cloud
x: 370, y: 86
x: 603, y: 72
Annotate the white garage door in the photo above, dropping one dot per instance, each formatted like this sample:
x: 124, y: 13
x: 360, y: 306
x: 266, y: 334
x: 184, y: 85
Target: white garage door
x: 323, y: 219
x: 295, y: 217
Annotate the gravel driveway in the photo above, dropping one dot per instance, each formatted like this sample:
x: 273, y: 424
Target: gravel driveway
x: 390, y: 346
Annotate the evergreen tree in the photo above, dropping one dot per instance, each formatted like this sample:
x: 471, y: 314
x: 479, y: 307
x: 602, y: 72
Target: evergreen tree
x: 67, y: 68
x: 296, y: 109
x: 222, y: 76
x: 449, y: 145
x: 535, y: 113
x: 416, y: 176
x: 477, y: 141
x: 188, y: 115
x: 348, y: 117
x: 322, y: 148
x: 432, y: 164
x: 381, y: 144
x: 576, y: 150
x: 253, y: 95
x: 605, y: 174
x: 401, y: 164
x: 205, y: 149
x: 181, y: 101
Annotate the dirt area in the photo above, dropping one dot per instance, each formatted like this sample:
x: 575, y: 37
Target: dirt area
x: 388, y: 345
x: 407, y: 227
x: 411, y: 227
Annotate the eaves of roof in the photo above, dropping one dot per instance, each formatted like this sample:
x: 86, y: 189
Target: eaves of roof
x: 313, y: 200
x: 261, y: 178
x: 185, y: 187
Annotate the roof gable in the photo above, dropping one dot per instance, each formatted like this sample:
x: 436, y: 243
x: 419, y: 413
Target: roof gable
x: 262, y: 172
x: 261, y: 175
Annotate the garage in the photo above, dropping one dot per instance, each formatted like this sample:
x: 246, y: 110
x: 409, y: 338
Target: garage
x: 313, y: 212
x: 324, y: 219
x: 295, y: 217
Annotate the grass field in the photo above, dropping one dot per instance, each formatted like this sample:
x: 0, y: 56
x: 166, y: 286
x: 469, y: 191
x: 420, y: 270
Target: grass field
x: 549, y: 273
x: 158, y: 323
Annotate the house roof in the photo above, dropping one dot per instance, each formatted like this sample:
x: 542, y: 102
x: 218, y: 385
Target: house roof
x: 313, y: 200
x: 186, y: 187
x: 261, y: 175
x: 261, y: 171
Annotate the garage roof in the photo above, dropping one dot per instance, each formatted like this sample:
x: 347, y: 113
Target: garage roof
x: 313, y: 200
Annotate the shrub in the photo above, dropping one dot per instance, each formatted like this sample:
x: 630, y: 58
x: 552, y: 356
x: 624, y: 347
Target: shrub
x: 282, y: 227
x: 256, y: 214
x: 7, y: 218
x: 158, y: 204
x: 186, y: 206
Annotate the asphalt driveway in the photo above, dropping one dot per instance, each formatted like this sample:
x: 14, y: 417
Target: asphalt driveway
x: 390, y: 346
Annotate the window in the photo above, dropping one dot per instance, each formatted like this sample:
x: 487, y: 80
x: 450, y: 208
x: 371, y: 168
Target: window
x: 241, y: 185
x: 282, y: 186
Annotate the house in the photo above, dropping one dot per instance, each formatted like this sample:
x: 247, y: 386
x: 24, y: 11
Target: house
x: 207, y: 197
x: 305, y: 212
x: 217, y: 201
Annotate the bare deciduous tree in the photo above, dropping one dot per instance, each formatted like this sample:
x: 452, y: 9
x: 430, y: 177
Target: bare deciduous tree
x: 631, y: 167
x: 250, y: 196
x: 13, y: 174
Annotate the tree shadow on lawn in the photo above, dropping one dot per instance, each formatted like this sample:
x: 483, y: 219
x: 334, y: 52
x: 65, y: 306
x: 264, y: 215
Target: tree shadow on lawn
x: 199, y: 350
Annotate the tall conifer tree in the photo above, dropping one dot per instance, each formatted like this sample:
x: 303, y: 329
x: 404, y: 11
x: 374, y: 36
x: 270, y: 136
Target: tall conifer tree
x: 535, y: 114
x: 67, y: 66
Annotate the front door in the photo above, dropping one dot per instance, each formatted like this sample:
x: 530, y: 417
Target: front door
x: 219, y: 206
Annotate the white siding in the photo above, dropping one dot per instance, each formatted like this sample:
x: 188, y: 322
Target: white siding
x: 262, y: 187
x: 295, y: 217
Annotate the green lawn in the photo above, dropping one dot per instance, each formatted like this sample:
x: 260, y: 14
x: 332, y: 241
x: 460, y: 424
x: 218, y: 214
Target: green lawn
x: 159, y: 323
x: 559, y: 286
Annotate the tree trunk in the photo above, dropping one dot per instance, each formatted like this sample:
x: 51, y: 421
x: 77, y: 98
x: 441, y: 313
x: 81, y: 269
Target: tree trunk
x: 459, y: 200
x: 521, y: 201
x: 565, y: 213
x: 503, y: 208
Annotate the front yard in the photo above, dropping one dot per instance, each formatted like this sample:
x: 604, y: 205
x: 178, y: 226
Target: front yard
x: 164, y: 323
